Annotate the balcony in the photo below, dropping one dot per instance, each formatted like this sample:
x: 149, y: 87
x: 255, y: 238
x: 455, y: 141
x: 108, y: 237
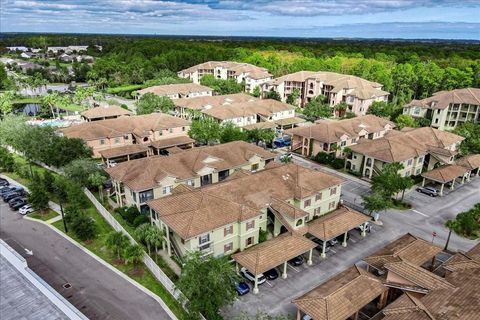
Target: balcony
x: 206, y: 249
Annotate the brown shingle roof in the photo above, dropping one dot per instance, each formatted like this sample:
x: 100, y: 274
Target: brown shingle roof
x: 172, y: 142
x: 288, y: 209
x: 289, y: 121
x: 123, y: 151
x: 460, y: 261
x: 139, y: 125
x: 442, y: 99
x: 260, y: 125
x: 332, y: 130
x: 180, y: 88
x: 407, y: 248
x: 145, y: 173
x: 105, y: 111
x: 341, y: 296
x: 264, y: 107
x: 273, y: 252
x: 417, y: 275
x: 445, y: 173
x: 199, y: 103
x: 336, y: 223
x: 471, y: 162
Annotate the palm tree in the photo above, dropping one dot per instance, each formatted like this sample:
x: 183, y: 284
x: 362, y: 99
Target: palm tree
x: 117, y: 242
x: 51, y: 100
x: 155, y: 237
x: 142, y: 233
x: 97, y: 180
x: 133, y: 254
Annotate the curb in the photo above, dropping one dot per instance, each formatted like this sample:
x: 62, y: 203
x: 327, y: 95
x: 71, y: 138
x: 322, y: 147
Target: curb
x: 112, y: 268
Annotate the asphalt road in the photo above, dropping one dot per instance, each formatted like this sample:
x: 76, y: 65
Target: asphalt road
x: 96, y: 291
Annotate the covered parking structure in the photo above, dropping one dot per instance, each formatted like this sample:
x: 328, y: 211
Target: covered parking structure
x: 337, y: 223
x: 470, y: 162
x: 446, y: 174
x: 182, y: 142
x: 125, y: 153
x: 273, y: 253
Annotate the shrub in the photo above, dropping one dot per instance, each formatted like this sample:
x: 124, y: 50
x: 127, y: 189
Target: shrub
x: 323, y: 158
x: 262, y: 236
x: 337, y: 163
x: 141, y: 219
x: 129, y: 214
x: 84, y: 227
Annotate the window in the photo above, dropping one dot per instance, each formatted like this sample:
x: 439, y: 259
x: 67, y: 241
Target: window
x: 418, y: 171
x: 204, y: 239
x: 316, y: 211
x: 167, y: 189
x: 206, y: 179
x: 420, y: 160
x: 409, y: 162
x: 222, y: 175
x: 354, y: 140
x: 117, y: 140
x: 407, y: 173
x: 299, y: 223
x: 343, y: 143
x: 170, y: 130
x: 331, y: 205
x: 249, y: 241
x: 125, y: 137
x: 333, y: 191
x: 227, y: 230
x: 134, y: 196
x: 228, y: 247
x: 250, y: 225
x: 102, y: 141
x: 306, y: 203
x: 255, y: 167
x: 191, y: 182
x: 183, y: 128
x: 318, y: 196
x: 146, y: 195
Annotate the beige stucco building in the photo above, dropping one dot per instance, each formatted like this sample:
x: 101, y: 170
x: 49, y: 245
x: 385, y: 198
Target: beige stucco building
x: 356, y: 92
x: 251, y: 75
x: 447, y: 109
x: 178, y: 91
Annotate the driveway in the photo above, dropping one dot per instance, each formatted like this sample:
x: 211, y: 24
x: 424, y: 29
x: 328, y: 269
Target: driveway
x: 427, y: 215
x: 96, y: 291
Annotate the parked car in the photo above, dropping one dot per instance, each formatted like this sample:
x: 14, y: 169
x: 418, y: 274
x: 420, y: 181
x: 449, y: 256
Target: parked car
x: 429, y: 191
x: 284, y: 141
x: 4, y: 182
x: 17, y: 203
x: 320, y: 245
x: 242, y: 288
x: 11, y: 195
x: 271, y: 274
x: 248, y: 275
x: 332, y: 242
x: 297, y: 261
x: 26, y: 209
x: 306, y: 317
x: 5, y: 189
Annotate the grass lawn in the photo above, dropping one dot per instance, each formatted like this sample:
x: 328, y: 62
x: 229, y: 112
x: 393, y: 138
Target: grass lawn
x: 27, y: 100
x: 43, y: 216
x: 127, y: 88
x: 73, y: 107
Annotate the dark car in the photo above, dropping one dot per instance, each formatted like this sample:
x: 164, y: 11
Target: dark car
x: 9, y: 196
x: 242, y: 288
x: 342, y: 236
x: 17, y: 204
x: 320, y: 245
x: 271, y: 274
x: 297, y: 261
x: 4, y: 190
x: 429, y: 191
x: 4, y: 182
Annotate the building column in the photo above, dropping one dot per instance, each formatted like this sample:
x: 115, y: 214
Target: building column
x: 255, y: 285
x: 453, y: 185
x: 299, y: 315
x: 383, y: 300
x: 469, y: 174
x: 284, y: 274
x: 237, y: 269
x: 463, y: 180
x: 309, y: 261
x: 423, y: 182
x: 344, y: 243
x: 164, y: 245
x: 324, y: 248
x: 364, y: 230
x: 169, y: 249
x: 441, y: 189
x: 128, y: 157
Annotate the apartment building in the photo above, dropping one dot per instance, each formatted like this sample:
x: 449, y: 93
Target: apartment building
x: 447, y: 109
x: 126, y: 131
x: 228, y: 217
x: 251, y: 75
x: 332, y: 136
x: 356, y: 92
x: 104, y: 112
x: 178, y: 91
x: 417, y: 149
x: 135, y: 182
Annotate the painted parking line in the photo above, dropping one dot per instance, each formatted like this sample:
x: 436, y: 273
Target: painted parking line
x: 331, y: 250
x: 293, y: 268
x: 271, y: 285
x: 353, y: 240
x: 420, y: 213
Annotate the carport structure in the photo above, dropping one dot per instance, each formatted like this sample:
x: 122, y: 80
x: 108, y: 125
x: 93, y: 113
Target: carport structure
x: 470, y: 162
x: 125, y: 153
x: 337, y: 223
x: 274, y: 252
x: 445, y: 174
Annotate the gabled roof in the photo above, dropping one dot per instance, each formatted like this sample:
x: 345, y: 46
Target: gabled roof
x: 237, y: 67
x: 442, y: 99
x: 417, y: 275
x: 406, y: 248
x: 471, y: 162
x: 123, y: 151
x: 287, y: 209
x: 330, y: 131
x: 105, y: 111
x: 445, y: 173
x: 199, y: 103
x: 461, y: 261
x: 145, y: 173
x: 272, y: 253
x: 341, y: 296
x: 263, y: 107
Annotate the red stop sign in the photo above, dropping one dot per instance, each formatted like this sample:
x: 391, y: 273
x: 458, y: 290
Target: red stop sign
x: 434, y: 234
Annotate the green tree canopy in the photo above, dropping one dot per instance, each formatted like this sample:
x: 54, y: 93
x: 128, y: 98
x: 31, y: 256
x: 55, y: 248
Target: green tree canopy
x: 150, y: 103
x: 273, y: 95
x: 292, y: 98
x: 221, y: 86
x: 205, y: 130
x: 318, y: 108
x: 38, y: 196
x: 261, y: 135
x: 405, y: 120
x: 230, y: 132
x: 471, y: 132
x: 80, y: 170
x: 117, y: 242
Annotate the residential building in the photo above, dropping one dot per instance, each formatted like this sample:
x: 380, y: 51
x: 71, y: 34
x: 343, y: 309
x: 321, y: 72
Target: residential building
x: 251, y: 75
x: 177, y: 91
x: 68, y: 49
x: 332, y: 136
x: 125, y: 131
x: 136, y: 182
x: 447, y: 109
x: 417, y: 149
x: 104, y: 112
x: 356, y: 92
x: 227, y: 217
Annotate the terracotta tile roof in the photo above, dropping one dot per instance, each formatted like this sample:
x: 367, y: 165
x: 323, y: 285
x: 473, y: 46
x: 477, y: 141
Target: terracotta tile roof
x: 461, y: 261
x: 139, y: 125
x: 417, y: 275
x: 407, y: 248
x: 445, y: 173
x: 288, y: 209
x: 273, y: 252
x: 260, y: 125
x: 289, y: 121
x: 237, y: 67
x: 407, y: 307
x: 341, y: 296
x: 404, y: 145
x: 179, y: 88
x: 336, y: 223
x: 474, y: 253
x: 123, y: 151
x: 174, y: 150
x: 145, y: 173
x: 442, y: 99
x: 199, y: 103
x: 238, y: 197
x: 172, y: 142
x: 332, y: 130
x: 105, y: 111
x: 471, y: 162
x: 263, y: 107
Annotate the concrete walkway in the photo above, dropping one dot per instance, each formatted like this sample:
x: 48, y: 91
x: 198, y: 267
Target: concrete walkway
x: 172, y: 264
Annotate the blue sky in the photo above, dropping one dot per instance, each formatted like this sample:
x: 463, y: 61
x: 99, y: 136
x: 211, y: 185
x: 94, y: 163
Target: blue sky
x: 444, y: 19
